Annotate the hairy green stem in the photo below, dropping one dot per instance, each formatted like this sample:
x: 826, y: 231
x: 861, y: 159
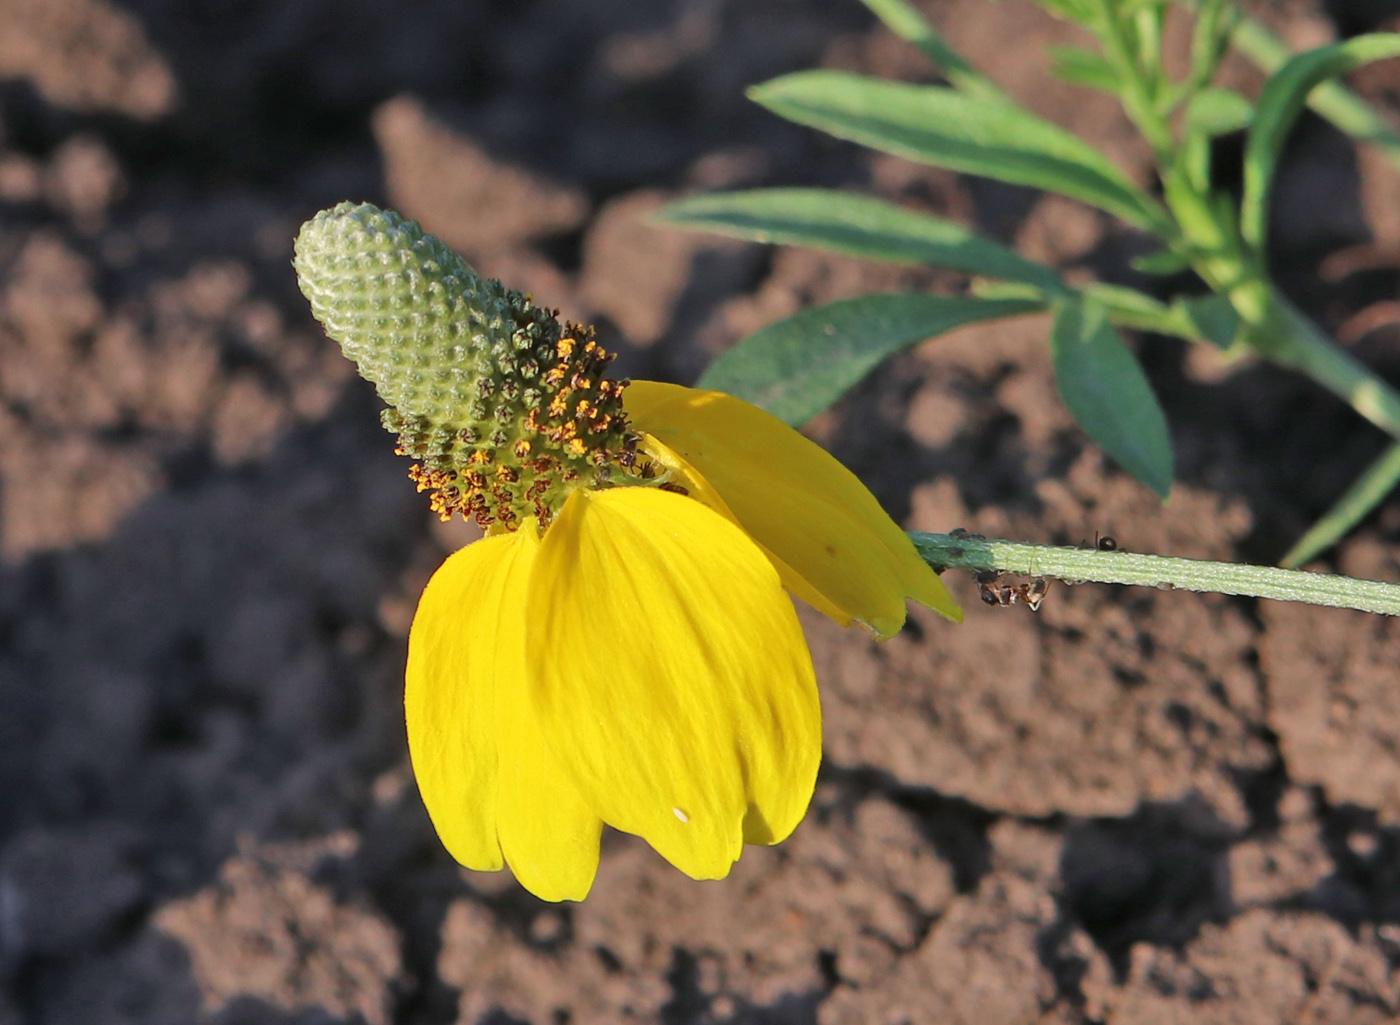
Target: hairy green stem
x: 1078, y: 565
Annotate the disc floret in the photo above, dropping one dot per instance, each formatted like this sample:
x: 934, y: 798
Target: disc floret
x: 506, y: 408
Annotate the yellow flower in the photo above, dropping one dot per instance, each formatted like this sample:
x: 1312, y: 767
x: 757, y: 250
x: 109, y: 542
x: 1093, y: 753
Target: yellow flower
x: 639, y: 664
x: 619, y: 648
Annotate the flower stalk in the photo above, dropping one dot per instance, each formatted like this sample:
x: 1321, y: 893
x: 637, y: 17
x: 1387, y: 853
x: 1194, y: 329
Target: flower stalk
x: 1080, y: 565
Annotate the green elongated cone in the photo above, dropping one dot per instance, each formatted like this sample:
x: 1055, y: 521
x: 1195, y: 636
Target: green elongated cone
x: 506, y: 407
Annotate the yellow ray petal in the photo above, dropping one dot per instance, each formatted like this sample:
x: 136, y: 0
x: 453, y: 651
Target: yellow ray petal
x: 671, y: 677
x: 549, y: 835
x: 699, y: 488
x: 795, y: 500
x: 489, y: 782
x: 450, y: 694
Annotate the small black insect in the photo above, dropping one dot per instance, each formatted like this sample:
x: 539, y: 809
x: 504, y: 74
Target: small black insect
x: 1102, y: 542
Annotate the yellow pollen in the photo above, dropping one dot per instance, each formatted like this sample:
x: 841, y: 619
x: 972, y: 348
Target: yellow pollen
x: 522, y: 449
x: 566, y: 347
x: 577, y: 447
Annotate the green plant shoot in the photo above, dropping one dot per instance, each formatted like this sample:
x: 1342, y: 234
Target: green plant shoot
x: 799, y: 366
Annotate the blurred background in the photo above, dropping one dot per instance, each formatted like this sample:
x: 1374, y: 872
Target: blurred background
x: 1135, y: 807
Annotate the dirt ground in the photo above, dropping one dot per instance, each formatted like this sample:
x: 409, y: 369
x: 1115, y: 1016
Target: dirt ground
x: 1135, y: 807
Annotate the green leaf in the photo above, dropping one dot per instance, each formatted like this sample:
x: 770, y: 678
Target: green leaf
x: 1193, y: 161
x: 1086, y: 68
x: 1162, y: 263
x: 1107, y: 393
x: 1082, y: 12
x: 945, y: 128
x: 1218, y: 111
x: 1208, y: 318
x: 1367, y: 492
x: 1127, y: 8
x: 987, y: 288
x: 1279, y: 104
x: 903, y: 20
x: 856, y: 226
x: 799, y: 366
x: 1331, y: 100
x: 1213, y: 318
x: 1127, y: 307
x: 1209, y: 35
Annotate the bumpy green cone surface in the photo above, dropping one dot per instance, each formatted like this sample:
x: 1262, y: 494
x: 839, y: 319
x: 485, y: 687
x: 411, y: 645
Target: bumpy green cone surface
x: 506, y: 408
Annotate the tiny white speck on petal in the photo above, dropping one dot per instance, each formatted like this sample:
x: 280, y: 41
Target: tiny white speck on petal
x: 681, y: 815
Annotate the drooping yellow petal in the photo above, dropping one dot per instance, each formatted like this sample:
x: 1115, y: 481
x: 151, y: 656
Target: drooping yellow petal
x: 490, y: 784
x: 670, y: 675
x: 702, y: 490
x: 450, y: 693
x: 797, y: 501
x: 549, y: 835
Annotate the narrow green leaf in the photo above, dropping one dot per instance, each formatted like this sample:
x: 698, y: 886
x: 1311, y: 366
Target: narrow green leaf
x: 1193, y: 162
x: 1107, y: 393
x: 1084, y: 67
x: 1208, y: 318
x: 903, y: 20
x: 1209, y: 36
x: 1368, y: 491
x: 1144, y: 23
x: 1282, y: 99
x: 856, y: 226
x: 987, y: 288
x: 801, y: 365
x: 1331, y: 100
x: 1129, y: 8
x: 943, y: 127
x: 1082, y: 12
x: 1162, y: 263
x: 1127, y: 307
x: 1218, y: 111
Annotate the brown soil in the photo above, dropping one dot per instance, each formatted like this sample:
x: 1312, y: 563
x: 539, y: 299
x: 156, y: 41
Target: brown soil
x: 1136, y: 807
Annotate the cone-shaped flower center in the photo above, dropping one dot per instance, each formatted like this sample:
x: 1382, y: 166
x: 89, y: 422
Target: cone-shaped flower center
x: 505, y: 407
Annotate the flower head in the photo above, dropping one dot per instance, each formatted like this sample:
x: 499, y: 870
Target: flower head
x: 620, y: 648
